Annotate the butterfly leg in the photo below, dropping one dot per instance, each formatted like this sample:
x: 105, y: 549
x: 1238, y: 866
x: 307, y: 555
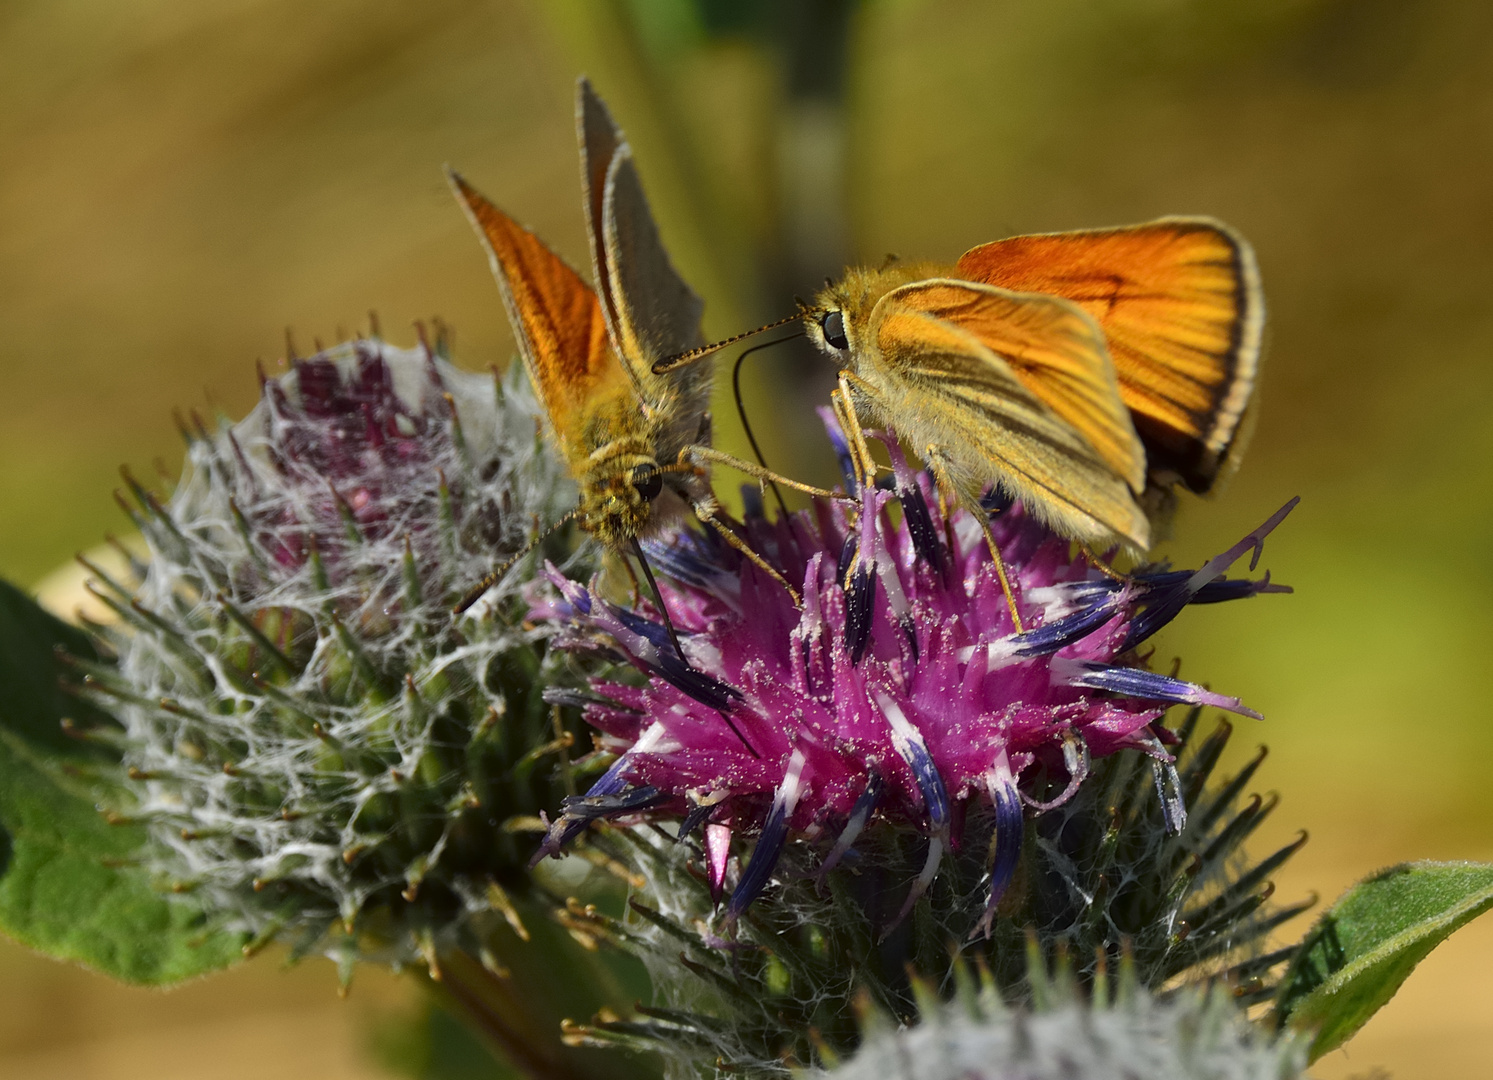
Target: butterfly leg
x: 706, y: 510
x: 720, y: 457
x: 850, y: 424
x: 1102, y: 565
x: 938, y: 462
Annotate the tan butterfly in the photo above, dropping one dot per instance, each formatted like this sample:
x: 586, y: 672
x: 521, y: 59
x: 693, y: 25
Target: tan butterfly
x: 1085, y: 373
x: 634, y: 440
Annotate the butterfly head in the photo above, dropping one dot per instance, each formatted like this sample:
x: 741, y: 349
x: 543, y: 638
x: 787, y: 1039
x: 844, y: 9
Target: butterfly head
x: 843, y: 309
x: 828, y: 321
x: 617, y: 499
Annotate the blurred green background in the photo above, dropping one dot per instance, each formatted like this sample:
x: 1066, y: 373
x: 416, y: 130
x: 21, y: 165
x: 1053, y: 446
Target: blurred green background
x: 179, y: 182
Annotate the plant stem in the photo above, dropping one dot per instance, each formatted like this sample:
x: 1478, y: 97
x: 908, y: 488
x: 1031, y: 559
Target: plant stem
x: 493, y: 1007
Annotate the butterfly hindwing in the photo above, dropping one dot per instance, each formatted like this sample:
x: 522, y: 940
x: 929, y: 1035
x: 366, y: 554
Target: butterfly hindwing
x: 600, y: 140
x: 651, y: 312
x: 1180, y: 304
x: 990, y: 423
x: 1055, y: 349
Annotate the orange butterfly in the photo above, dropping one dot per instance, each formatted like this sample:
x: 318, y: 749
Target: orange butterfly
x: 632, y: 439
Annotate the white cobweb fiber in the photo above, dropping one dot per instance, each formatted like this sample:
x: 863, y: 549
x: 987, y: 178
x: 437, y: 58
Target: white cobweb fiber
x: 296, y: 673
x: 1191, y: 1035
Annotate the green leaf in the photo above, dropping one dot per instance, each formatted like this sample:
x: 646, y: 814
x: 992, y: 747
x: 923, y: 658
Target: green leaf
x: 1367, y: 944
x: 68, y: 886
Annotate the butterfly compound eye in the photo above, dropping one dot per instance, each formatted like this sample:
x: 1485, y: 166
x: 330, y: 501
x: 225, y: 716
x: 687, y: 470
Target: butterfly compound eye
x: 833, y: 325
x: 648, y: 481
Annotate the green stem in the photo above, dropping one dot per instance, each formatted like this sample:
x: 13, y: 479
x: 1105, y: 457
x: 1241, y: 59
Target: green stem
x: 490, y: 1006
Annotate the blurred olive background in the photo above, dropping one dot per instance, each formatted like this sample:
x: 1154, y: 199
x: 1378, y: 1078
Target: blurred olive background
x: 179, y: 182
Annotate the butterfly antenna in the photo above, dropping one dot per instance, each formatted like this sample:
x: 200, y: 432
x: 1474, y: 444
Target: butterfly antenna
x: 746, y: 425
x: 674, y: 363
x: 478, y: 590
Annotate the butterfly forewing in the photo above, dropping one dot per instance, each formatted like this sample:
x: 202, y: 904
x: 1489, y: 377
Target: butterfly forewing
x: 942, y: 387
x: 600, y: 140
x: 658, y: 315
x: 1055, y: 349
x: 651, y: 312
x: 1179, y: 301
x: 561, y: 330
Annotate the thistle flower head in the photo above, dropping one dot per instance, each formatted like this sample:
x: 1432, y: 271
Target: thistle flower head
x: 900, y: 693
x: 1194, y: 1034
x: 316, y: 746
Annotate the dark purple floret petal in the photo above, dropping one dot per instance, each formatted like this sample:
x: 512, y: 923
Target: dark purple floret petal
x: 909, y: 743
x: 920, y: 526
x: 841, y: 445
x: 935, y: 796
x: 860, y: 596
x: 655, y: 633
x: 707, y: 690
x: 997, y: 500
x: 849, y: 552
x: 698, y: 814
x: 1065, y: 631
x: 569, y: 825
x: 1168, y: 600
x: 915, y: 512
x: 594, y: 806
x: 1224, y: 589
x: 691, y: 560
x: 860, y: 814
x: 751, y: 500
x: 1009, y: 826
x: 579, y: 699
x: 575, y: 595
x: 1135, y: 682
x: 770, y: 843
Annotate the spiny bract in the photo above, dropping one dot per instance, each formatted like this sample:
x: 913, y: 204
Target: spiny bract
x: 320, y: 751
x: 1194, y: 1034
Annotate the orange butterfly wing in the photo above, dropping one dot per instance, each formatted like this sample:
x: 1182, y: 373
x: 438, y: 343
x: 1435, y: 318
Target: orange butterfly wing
x: 563, y: 337
x: 1179, y: 301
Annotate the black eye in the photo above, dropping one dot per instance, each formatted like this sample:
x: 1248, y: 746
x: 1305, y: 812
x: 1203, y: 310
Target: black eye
x: 648, y: 481
x: 833, y: 325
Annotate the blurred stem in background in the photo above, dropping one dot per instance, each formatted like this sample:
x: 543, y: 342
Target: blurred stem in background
x: 515, y: 1001
x: 748, y: 171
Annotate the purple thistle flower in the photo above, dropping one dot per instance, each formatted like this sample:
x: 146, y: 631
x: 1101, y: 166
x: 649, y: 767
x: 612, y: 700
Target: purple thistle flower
x: 900, y: 691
